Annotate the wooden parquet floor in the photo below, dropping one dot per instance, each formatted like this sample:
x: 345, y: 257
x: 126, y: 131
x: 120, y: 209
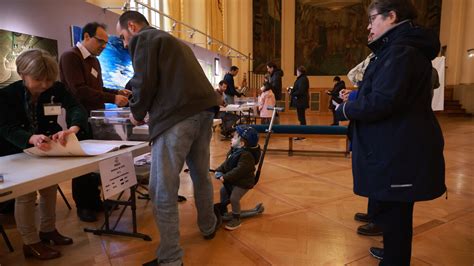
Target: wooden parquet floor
x: 308, y: 218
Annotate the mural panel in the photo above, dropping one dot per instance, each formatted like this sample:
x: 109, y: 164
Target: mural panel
x: 13, y: 44
x: 330, y: 39
x: 266, y: 33
x: 331, y: 35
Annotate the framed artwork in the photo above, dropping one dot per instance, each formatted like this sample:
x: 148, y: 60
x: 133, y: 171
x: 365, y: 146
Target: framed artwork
x: 331, y: 35
x: 76, y: 33
x: 266, y: 34
x: 13, y: 44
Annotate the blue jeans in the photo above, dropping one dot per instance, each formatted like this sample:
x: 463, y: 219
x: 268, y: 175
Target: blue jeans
x: 189, y: 141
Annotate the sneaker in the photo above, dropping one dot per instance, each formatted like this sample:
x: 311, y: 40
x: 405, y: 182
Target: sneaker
x: 376, y: 253
x: 233, y: 224
x: 362, y: 217
x: 369, y: 229
x: 218, y: 223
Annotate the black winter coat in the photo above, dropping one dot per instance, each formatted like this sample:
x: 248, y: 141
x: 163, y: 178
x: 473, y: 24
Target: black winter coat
x: 275, y: 81
x: 15, y: 129
x: 239, y: 166
x: 397, y: 142
x: 300, y: 92
x: 338, y: 87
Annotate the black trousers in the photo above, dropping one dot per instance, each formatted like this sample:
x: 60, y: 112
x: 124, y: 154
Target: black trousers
x: 301, y: 115
x: 334, y: 119
x: 85, y: 188
x: 371, y: 209
x: 86, y: 193
x: 396, y: 221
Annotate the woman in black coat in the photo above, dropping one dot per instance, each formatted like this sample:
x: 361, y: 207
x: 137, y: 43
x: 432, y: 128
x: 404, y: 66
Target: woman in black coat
x: 397, y: 143
x: 300, y: 94
x: 29, y: 109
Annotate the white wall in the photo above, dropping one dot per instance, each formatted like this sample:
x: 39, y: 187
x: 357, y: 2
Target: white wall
x: 52, y: 19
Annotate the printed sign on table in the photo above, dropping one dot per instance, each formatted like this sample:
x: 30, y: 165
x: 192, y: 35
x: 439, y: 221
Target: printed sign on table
x: 117, y: 174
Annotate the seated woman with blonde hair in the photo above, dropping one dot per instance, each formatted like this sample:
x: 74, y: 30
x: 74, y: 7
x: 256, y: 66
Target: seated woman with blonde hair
x: 25, y: 122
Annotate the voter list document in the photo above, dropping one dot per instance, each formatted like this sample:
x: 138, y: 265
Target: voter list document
x: 74, y: 147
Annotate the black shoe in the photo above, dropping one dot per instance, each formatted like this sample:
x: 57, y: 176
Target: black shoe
x: 362, y: 217
x: 151, y: 263
x: 369, y: 229
x: 218, y: 223
x: 299, y: 138
x: 87, y: 215
x: 55, y: 237
x: 376, y: 253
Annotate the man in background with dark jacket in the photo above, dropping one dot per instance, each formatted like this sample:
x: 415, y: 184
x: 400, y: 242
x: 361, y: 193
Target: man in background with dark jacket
x: 170, y: 85
x: 397, y: 143
x: 231, y: 89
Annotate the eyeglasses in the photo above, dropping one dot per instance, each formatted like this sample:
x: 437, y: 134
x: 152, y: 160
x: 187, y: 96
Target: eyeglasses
x: 101, y: 42
x: 372, y: 17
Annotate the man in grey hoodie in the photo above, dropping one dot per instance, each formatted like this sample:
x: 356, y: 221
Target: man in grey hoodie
x: 170, y: 85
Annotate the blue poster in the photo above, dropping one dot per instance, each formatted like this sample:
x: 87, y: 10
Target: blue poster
x: 116, y: 64
x: 115, y: 61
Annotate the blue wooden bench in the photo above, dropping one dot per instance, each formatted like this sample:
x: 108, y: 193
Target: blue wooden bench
x: 292, y: 131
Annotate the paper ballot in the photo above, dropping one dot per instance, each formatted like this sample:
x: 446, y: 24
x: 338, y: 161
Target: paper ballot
x: 84, y: 148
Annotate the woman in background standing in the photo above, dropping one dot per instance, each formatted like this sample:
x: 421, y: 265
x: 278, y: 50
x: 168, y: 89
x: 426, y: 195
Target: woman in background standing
x: 300, y: 94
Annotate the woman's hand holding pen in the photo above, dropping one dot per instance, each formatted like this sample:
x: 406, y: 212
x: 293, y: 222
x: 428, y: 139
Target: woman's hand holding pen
x: 40, y: 141
x: 62, y: 135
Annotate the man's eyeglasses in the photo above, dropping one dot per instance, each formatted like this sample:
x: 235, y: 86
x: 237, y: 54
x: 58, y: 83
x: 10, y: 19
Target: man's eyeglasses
x: 372, y: 17
x: 101, y: 42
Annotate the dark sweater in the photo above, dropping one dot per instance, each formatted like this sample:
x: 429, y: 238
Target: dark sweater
x: 15, y: 129
x: 76, y: 74
x: 169, y: 82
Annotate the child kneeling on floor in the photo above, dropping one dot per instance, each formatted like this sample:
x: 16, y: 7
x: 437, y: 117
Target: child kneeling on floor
x: 237, y: 173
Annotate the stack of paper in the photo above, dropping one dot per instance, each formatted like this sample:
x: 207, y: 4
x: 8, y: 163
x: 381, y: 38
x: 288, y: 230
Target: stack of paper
x: 84, y: 148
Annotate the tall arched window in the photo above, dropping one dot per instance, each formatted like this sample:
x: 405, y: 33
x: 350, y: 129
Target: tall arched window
x: 153, y: 17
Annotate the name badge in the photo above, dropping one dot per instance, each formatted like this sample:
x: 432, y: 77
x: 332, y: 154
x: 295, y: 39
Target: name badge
x: 94, y: 72
x: 52, y: 109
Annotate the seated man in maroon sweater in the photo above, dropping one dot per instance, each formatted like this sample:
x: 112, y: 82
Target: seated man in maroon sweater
x: 81, y: 72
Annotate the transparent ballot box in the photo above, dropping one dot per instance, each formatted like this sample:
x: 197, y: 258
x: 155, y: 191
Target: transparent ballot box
x: 111, y: 124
